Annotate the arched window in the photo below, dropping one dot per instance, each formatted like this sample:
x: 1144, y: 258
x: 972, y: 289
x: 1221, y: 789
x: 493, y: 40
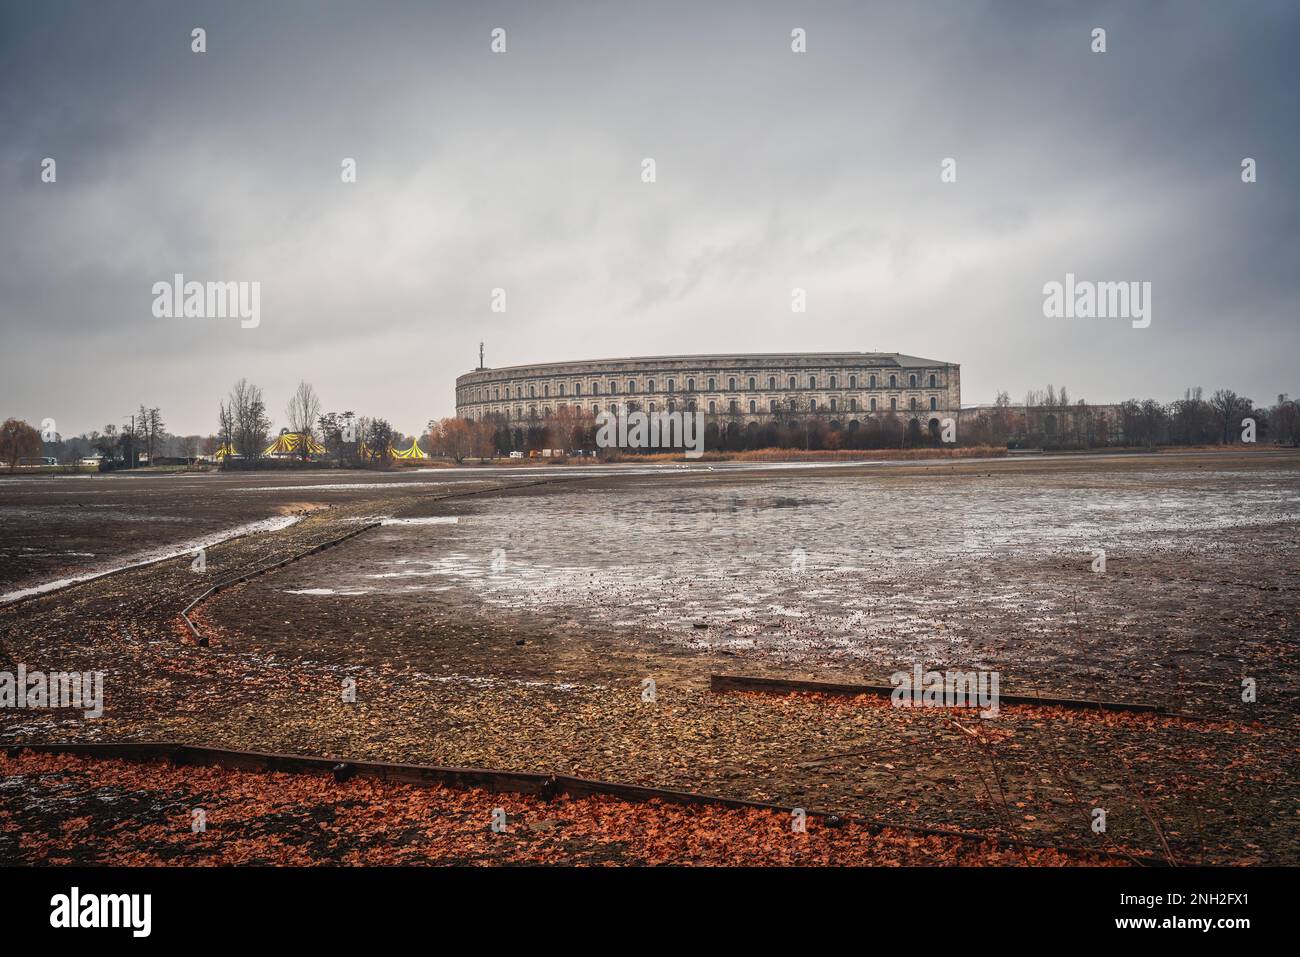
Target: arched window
x: 690, y: 406
x: 853, y: 405
x: 833, y: 406
x: 631, y: 386
x: 577, y: 388
x: 731, y: 384
x: 871, y: 382
x: 595, y: 409
x: 713, y: 407
x: 561, y: 390
x: 932, y: 380
x: 671, y: 386
x: 753, y: 384
x: 613, y: 387
x: 934, y: 403
x: 652, y: 406
x: 911, y: 381
x: 812, y: 382
x: 753, y: 406
x: 911, y: 403
x: 893, y: 405
x: 771, y: 385
x: 873, y: 405
x: 713, y: 386
x: 595, y: 388
x: 853, y: 382
x: 812, y: 405
x: 532, y: 392
x: 690, y: 385
x: 650, y: 386
x: 793, y: 383
x: 893, y: 382
x: 771, y: 405
x: 732, y: 406
x: 833, y: 382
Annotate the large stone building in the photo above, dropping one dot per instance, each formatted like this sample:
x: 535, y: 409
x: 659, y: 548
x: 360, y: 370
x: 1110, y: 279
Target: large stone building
x: 840, y: 386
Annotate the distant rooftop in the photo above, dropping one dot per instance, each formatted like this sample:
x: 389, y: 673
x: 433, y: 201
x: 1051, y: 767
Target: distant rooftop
x: 896, y: 358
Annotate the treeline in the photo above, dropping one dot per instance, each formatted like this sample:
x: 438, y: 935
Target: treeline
x: 571, y: 430
x: 1049, y: 420
x: 1220, y: 420
x: 344, y: 438
x: 141, y: 437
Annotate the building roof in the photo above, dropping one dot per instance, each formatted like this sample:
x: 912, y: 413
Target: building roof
x: 883, y: 358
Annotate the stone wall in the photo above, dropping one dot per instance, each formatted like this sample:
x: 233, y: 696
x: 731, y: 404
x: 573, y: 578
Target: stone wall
x: 837, y: 385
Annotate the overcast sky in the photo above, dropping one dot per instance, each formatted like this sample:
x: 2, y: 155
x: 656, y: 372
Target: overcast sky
x: 522, y: 171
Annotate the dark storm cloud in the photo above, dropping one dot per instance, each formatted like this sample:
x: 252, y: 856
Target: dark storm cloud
x: 521, y: 171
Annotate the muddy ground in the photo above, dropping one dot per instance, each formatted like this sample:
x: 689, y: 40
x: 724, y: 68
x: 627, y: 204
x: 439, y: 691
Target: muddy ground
x: 62, y: 810
x: 526, y: 634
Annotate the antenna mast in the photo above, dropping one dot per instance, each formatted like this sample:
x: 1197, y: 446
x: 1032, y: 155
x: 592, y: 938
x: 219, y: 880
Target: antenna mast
x: 480, y: 355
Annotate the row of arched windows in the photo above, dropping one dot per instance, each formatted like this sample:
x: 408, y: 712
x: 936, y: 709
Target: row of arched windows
x: 732, y: 382
x: 734, y: 406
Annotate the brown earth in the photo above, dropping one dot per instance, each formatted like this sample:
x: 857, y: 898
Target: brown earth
x: 445, y: 679
x: 62, y: 810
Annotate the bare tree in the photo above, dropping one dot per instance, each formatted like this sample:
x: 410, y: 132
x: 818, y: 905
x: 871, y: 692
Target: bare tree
x: 302, y: 412
x: 225, y: 427
x: 250, y: 422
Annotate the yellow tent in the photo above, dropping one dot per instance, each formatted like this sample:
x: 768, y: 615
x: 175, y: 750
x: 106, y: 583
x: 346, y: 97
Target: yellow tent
x: 225, y: 450
x: 290, y: 443
x: 412, y: 453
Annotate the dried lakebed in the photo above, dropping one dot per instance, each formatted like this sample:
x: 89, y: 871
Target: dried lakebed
x: 519, y: 666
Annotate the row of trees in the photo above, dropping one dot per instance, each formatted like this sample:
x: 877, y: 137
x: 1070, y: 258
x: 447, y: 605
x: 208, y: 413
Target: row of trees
x: 145, y: 433
x: 1049, y: 419
x: 1219, y: 420
x: 244, y: 426
x: 573, y: 429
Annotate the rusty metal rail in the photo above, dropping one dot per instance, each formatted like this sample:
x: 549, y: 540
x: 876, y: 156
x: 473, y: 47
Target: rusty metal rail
x: 723, y: 683
x: 202, y: 641
x: 546, y: 786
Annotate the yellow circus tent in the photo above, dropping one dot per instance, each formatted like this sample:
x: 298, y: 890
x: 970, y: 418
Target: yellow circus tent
x: 291, y: 443
x: 225, y: 450
x: 412, y: 453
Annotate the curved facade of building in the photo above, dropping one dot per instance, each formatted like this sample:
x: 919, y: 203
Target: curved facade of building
x: 750, y: 387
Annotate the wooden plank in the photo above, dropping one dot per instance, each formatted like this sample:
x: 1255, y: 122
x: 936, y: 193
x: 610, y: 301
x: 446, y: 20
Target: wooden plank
x: 517, y: 782
x: 795, y: 686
